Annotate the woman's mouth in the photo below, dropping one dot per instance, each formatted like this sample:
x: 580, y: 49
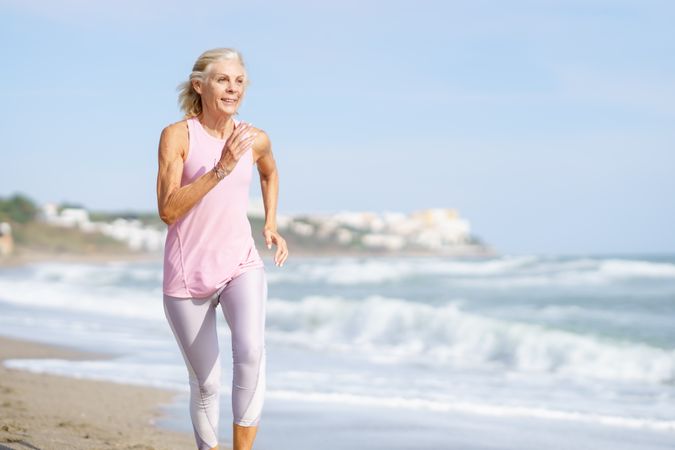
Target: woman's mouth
x: 229, y: 100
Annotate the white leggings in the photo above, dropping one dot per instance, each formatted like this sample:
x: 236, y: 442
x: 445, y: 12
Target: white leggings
x: 193, y: 322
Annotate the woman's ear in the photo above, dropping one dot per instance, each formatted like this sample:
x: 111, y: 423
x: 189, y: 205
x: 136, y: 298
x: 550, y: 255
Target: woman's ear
x: 197, y: 86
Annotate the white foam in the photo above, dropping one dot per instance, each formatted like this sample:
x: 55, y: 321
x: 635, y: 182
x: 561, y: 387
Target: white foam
x: 618, y: 268
x: 173, y: 378
x: 575, y: 273
x: 369, y: 271
x: 506, y: 271
x: 98, y: 274
x: 117, y: 371
x: 79, y: 287
x: 392, y: 331
x: 388, y: 330
x: 484, y: 409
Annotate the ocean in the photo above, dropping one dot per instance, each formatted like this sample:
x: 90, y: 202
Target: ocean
x: 509, y: 352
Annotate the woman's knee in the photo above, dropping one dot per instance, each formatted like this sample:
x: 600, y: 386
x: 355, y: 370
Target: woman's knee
x: 248, y: 354
x: 247, y: 365
x: 208, y: 386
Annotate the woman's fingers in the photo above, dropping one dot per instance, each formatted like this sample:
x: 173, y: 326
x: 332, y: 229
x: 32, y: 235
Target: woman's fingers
x: 241, y: 139
x: 246, y: 142
x: 282, y: 258
x: 282, y: 252
x: 239, y: 132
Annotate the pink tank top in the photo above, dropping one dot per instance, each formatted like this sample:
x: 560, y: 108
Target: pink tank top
x: 212, y: 242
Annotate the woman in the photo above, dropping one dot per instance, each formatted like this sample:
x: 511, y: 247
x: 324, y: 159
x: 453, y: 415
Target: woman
x: 205, y: 168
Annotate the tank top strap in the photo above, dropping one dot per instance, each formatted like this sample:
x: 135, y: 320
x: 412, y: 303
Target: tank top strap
x: 191, y: 127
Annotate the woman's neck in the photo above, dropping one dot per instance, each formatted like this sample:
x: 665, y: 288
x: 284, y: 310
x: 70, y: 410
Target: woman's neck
x: 217, y: 126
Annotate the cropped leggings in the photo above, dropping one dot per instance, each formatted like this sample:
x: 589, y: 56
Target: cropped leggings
x: 193, y: 322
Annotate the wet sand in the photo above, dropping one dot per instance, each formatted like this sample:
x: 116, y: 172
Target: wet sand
x: 44, y: 411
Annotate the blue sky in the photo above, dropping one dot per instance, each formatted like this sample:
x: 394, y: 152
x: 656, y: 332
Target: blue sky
x: 547, y: 124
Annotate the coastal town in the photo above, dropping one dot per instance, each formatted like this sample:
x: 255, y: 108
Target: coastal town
x: 440, y: 231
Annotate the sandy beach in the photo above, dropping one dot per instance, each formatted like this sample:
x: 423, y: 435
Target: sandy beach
x: 40, y: 411
x: 31, y: 256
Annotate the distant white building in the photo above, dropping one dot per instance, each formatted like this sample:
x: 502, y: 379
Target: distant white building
x: 359, y: 220
x: 434, y: 228
x: 69, y: 217
x: 430, y: 228
x: 48, y: 212
x: 132, y: 232
x: 440, y: 227
x: 388, y: 241
x: 344, y: 236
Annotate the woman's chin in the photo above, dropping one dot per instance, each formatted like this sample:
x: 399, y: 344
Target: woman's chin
x: 229, y: 110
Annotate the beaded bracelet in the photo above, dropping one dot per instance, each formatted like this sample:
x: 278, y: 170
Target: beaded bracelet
x: 219, y: 171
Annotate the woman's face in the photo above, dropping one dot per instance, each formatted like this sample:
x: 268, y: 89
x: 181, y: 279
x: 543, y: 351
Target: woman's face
x: 223, y: 89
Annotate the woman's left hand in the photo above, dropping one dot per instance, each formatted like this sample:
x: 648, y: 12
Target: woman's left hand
x: 273, y: 237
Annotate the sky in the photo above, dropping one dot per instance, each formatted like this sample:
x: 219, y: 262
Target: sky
x: 548, y: 125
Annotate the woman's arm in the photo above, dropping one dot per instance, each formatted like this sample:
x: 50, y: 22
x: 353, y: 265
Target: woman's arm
x: 269, y: 178
x: 173, y: 200
x: 269, y: 184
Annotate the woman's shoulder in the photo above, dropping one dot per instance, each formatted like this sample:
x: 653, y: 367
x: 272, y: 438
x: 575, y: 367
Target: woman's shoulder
x: 175, y: 136
x: 262, y: 145
x: 177, y: 127
x: 255, y: 129
x: 177, y: 132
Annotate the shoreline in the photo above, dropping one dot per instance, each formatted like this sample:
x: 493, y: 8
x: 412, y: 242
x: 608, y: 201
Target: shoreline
x: 29, y: 257
x: 39, y: 410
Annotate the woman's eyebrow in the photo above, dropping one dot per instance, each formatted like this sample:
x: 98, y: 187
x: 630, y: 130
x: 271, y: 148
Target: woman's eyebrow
x: 226, y: 75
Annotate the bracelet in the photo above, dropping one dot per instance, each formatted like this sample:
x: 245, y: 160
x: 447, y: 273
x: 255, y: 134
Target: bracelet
x: 220, y: 171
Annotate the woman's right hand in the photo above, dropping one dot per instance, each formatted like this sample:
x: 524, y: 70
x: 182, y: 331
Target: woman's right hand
x: 236, y: 145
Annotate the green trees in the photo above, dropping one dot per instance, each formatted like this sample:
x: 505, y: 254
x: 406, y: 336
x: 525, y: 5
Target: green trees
x: 17, y: 208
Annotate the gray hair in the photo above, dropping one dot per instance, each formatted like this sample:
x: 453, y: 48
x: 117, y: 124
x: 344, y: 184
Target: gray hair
x: 189, y: 100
